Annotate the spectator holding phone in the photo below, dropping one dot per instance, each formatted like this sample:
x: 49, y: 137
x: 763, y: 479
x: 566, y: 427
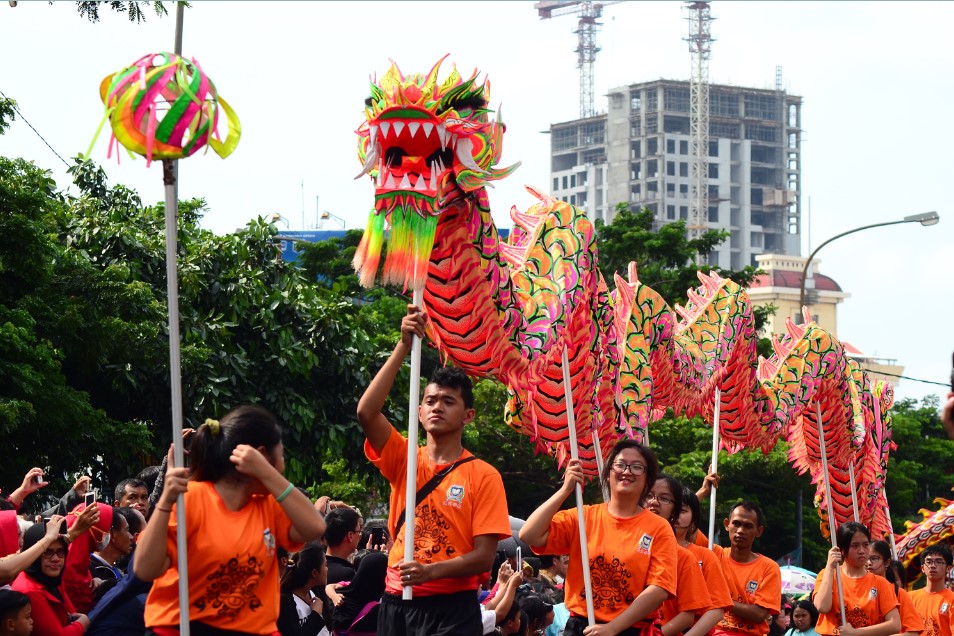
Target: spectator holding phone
x: 239, y: 509
x: 52, y: 610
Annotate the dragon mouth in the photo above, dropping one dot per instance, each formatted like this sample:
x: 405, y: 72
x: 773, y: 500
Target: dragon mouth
x: 412, y: 150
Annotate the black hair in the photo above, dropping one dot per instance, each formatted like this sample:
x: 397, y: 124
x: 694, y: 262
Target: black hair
x: 149, y: 476
x: 547, y: 560
x: 883, y: 550
x: 133, y: 518
x: 536, y: 610
x: 690, y: 499
x: 809, y: 607
x: 120, y: 489
x: 11, y: 602
x: 454, y: 378
x: 511, y: 614
x: 210, y: 455
x: 896, y: 574
x: 752, y: 507
x: 649, y: 457
x: 846, y: 533
x: 941, y: 550
x: 300, y: 566
x: 676, y: 489
x: 338, y: 523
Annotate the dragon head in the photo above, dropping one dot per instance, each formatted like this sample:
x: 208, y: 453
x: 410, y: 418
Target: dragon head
x: 422, y: 142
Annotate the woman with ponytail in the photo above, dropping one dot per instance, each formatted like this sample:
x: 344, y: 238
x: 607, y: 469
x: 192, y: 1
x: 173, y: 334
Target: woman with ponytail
x: 302, y: 610
x: 239, y: 509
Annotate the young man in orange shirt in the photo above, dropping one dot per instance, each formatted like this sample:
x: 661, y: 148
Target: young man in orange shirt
x: 755, y: 581
x: 935, y: 602
x: 457, y: 525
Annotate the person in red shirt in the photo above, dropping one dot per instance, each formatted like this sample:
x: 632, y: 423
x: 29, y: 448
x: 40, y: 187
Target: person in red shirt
x: 457, y: 525
x: 755, y: 581
x: 632, y: 552
x: 935, y: 602
x: 871, y: 606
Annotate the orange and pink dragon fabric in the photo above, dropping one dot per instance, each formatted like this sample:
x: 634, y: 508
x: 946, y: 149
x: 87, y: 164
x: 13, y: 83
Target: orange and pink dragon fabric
x: 508, y: 309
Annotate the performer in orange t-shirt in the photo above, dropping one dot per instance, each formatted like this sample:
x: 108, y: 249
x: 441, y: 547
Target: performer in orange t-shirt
x: 678, y: 613
x: 880, y: 563
x: 719, y: 598
x: 935, y: 602
x: 457, y: 525
x: 239, y: 511
x: 632, y: 552
x: 755, y: 582
x: 870, y: 600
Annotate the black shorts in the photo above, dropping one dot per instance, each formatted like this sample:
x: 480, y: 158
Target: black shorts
x: 438, y: 615
x: 576, y: 624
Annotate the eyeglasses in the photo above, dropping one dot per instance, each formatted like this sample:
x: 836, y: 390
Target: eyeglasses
x: 635, y: 468
x: 874, y: 558
x: 59, y: 552
x: 938, y: 562
x: 663, y: 499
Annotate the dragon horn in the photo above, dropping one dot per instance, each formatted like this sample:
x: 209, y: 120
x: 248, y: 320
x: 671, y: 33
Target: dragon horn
x: 430, y: 84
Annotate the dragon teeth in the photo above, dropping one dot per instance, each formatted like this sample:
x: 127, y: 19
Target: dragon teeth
x: 428, y: 127
x: 398, y: 127
x: 389, y: 184
x: 405, y: 183
x: 420, y: 185
x: 385, y: 129
x: 412, y: 128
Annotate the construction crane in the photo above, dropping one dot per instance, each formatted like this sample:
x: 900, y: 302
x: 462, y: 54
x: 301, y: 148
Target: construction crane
x: 700, y: 40
x: 586, y: 50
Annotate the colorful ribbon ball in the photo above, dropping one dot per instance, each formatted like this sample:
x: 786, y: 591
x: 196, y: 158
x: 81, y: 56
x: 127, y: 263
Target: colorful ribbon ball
x: 165, y: 107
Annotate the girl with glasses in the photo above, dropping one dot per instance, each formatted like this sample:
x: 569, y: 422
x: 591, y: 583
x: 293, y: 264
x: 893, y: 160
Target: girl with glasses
x: 53, y: 612
x: 880, y: 563
x: 632, y: 552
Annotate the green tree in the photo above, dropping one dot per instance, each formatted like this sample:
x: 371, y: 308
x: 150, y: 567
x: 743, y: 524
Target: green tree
x: 90, y: 10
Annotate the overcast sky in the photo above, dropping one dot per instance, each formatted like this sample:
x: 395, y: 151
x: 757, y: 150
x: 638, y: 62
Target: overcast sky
x: 877, y: 119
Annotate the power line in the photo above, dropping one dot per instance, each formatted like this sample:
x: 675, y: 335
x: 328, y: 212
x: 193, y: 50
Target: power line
x: 905, y: 377
x: 17, y: 110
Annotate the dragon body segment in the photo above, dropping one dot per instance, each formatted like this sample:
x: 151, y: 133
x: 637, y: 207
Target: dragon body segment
x: 508, y: 310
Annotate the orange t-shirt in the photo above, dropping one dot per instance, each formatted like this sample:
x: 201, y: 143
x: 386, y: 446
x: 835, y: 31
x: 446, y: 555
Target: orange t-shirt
x: 910, y: 619
x: 867, y: 600
x: 712, y: 572
x: 691, y: 593
x: 935, y: 608
x: 469, y: 502
x: 701, y: 540
x: 625, y: 556
x: 233, y: 566
x: 758, y: 582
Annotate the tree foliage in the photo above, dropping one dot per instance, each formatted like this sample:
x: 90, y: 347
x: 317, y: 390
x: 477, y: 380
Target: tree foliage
x: 90, y: 10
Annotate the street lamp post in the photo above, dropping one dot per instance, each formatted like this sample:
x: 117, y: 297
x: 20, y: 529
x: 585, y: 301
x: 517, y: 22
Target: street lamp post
x: 927, y: 218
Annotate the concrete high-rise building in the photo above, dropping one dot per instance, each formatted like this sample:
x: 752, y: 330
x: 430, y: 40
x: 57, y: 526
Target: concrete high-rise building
x: 637, y: 152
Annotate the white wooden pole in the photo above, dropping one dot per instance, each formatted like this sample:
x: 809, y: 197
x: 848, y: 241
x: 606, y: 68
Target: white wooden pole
x: 575, y: 454
x: 854, y: 493
x: 717, y: 409
x: 414, y: 401
x: 598, y: 452
x: 832, y: 527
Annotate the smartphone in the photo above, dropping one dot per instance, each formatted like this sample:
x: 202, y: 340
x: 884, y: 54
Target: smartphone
x: 519, y: 559
x: 90, y: 498
x: 37, y: 479
x: 46, y: 520
x: 377, y: 537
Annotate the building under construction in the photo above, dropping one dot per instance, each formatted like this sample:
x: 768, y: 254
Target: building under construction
x: 638, y: 152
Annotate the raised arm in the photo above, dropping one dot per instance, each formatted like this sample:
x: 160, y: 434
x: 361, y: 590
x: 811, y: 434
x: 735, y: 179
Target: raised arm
x: 536, y: 530
x: 376, y: 427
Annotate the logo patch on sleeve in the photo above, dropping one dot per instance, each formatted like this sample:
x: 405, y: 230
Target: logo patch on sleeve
x: 751, y: 587
x: 872, y: 593
x: 645, y: 543
x: 944, y: 608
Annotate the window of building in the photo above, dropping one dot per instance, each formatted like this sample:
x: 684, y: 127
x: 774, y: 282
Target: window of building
x: 713, y: 171
x: 713, y: 148
x: 594, y: 156
x: 671, y: 189
x: 756, y: 196
x: 652, y: 146
x: 684, y: 190
x: 756, y: 238
x: 713, y: 192
x: 565, y: 182
x: 634, y: 127
x: 581, y: 179
x: 564, y: 138
x: 713, y: 214
x: 652, y: 168
x: 635, y: 150
x: 671, y: 146
x: 762, y: 107
x: 634, y: 191
x: 671, y: 212
x: 652, y: 124
x: 761, y: 133
x: 678, y: 125
x: 634, y: 101
x: 676, y: 99
x: 684, y: 212
x: 671, y: 168
x: 572, y: 199
x: 652, y: 186
x: 651, y: 101
x: 556, y: 183
x: 713, y: 259
x: 723, y: 131
x: 683, y: 147
x: 723, y: 104
x: 635, y: 171
x: 572, y: 180
x: 683, y: 169
x: 593, y: 132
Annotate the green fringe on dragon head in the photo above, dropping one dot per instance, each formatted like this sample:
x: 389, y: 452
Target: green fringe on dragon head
x: 425, y: 143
